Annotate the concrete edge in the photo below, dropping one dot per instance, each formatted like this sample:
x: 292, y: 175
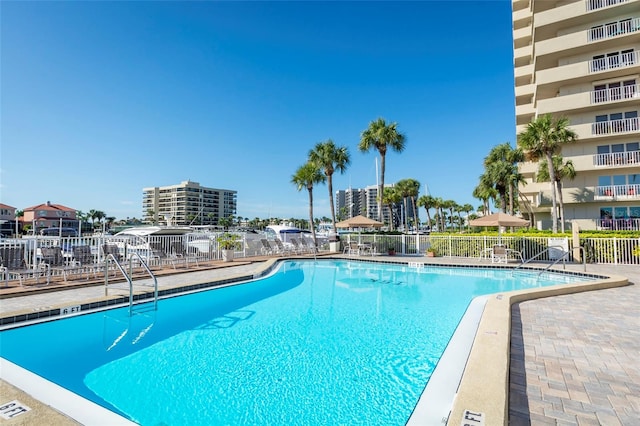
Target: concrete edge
x: 484, y: 387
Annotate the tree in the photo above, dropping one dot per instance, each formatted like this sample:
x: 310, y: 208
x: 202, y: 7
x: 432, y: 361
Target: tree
x: 500, y: 167
x: 409, y: 189
x: 391, y: 197
x: 467, y: 208
x: 307, y: 176
x: 381, y: 136
x: 543, y: 138
x: 19, y: 214
x: 562, y: 171
x: 330, y: 158
x: 485, y: 192
x: 427, y: 201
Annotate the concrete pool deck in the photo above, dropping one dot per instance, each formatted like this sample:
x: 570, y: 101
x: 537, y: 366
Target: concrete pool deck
x: 574, y: 357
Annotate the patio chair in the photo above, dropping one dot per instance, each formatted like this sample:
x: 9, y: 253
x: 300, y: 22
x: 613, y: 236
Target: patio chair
x: 56, y: 261
x: 266, y: 248
x: 180, y: 251
x: 84, y: 259
x: 281, y: 248
x: 13, y: 264
x: 299, y: 246
x: 352, y: 248
x: 308, y: 245
x: 499, y: 254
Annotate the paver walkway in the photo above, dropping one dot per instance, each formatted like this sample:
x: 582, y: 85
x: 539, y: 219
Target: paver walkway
x: 575, y: 359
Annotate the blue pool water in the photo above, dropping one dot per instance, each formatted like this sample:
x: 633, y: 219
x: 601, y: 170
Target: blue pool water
x: 325, y: 342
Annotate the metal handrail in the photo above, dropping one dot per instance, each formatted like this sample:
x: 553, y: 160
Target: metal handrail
x: 129, y: 280
x: 565, y: 255
x: 151, y: 274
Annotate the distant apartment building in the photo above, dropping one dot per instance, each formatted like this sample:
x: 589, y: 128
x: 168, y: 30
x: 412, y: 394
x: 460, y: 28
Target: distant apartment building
x: 364, y: 201
x: 49, y: 215
x: 188, y: 203
x: 581, y: 60
x: 7, y: 220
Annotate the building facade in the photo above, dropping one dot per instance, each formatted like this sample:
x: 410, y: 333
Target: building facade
x: 581, y: 60
x: 188, y: 203
x: 364, y: 201
x: 49, y: 215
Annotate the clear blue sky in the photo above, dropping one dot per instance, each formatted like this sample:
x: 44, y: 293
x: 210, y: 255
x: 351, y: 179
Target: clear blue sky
x: 102, y: 99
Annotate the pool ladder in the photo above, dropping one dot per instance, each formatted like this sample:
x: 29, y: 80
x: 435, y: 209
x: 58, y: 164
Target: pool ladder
x: 127, y: 276
x: 563, y: 258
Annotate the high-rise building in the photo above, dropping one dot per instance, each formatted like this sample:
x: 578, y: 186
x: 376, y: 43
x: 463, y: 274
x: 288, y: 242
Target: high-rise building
x: 188, y: 203
x: 581, y: 60
x: 364, y: 201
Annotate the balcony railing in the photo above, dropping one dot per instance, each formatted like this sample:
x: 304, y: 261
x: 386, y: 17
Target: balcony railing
x: 617, y: 158
x: 615, y: 126
x: 617, y: 192
x: 615, y: 94
x: 614, y: 29
x: 618, y: 224
x: 612, y: 62
x: 599, y: 4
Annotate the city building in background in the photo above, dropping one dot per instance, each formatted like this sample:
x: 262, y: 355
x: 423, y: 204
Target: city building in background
x: 49, y: 215
x: 581, y: 60
x: 364, y: 201
x: 188, y: 203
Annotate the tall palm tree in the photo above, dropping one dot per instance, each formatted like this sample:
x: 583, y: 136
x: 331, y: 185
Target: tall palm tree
x: 467, y: 208
x: 562, y: 171
x: 330, y: 158
x: 485, y: 192
x: 427, y: 202
x: 390, y: 197
x: 308, y: 175
x: 438, y: 205
x: 500, y: 166
x: 381, y: 136
x: 543, y: 138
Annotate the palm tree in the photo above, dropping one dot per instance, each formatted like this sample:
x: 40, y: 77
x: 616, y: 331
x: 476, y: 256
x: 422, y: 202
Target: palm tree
x: 426, y: 201
x: 409, y: 188
x: 543, y: 138
x: 485, y: 192
x: 438, y: 205
x: 381, y: 136
x: 562, y: 171
x: 500, y: 167
x: 390, y: 197
x: 92, y: 215
x: 307, y: 176
x: 467, y: 208
x: 330, y: 158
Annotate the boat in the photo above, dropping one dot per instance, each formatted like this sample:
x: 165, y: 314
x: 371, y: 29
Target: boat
x: 155, y: 230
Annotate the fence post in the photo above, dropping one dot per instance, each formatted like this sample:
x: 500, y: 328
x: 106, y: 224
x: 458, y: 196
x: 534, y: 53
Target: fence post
x: 615, y: 251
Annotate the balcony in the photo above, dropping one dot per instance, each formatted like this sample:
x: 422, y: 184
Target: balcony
x: 621, y: 60
x: 614, y: 29
x: 625, y: 125
x: 621, y: 159
x: 618, y: 224
x: 599, y: 4
x: 617, y: 192
x: 614, y: 94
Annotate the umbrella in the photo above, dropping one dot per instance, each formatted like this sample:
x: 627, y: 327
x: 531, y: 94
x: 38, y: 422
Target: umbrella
x: 499, y: 219
x: 359, y: 222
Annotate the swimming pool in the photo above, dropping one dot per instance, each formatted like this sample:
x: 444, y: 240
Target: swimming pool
x: 317, y: 342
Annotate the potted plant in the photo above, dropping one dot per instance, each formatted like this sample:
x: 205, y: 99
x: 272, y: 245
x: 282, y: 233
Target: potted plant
x: 392, y: 251
x: 431, y: 252
x: 228, y: 243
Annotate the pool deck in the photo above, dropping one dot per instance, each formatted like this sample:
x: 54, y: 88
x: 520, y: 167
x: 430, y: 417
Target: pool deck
x: 574, y: 358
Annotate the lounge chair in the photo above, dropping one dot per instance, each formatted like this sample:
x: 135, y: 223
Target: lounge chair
x: 83, y: 257
x: 13, y: 264
x: 266, y: 247
x: 298, y: 246
x: 57, y: 261
x: 281, y: 248
x: 179, y: 250
x: 308, y: 245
